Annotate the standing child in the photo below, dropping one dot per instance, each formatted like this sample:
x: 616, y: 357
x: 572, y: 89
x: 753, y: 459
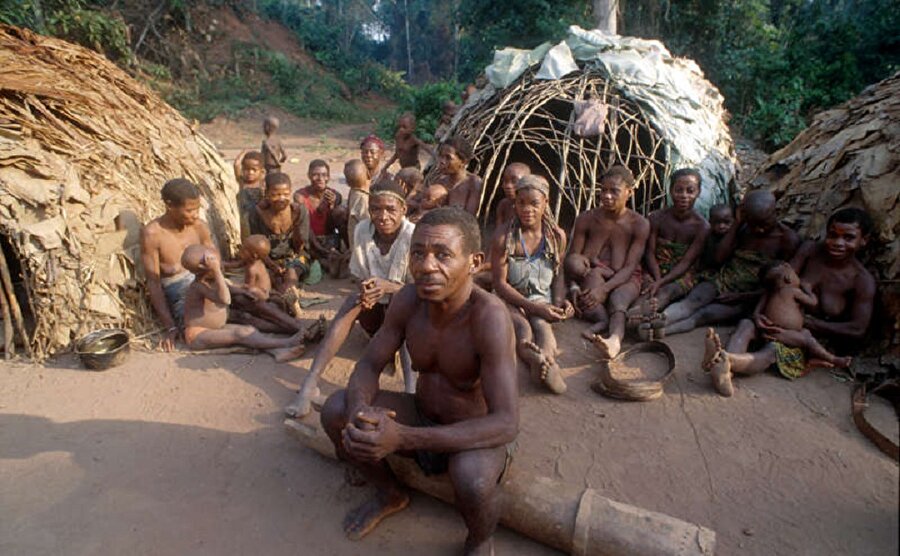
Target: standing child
x: 250, y: 173
x: 358, y: 199
x: 272, y: 151
x: 448, y: 110
x: 206, y: 312
x: 406, y: 144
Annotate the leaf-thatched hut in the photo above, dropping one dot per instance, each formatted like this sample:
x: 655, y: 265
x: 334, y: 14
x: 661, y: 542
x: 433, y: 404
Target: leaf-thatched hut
x: 849, y: 156
x: 651, y: 111
x: 84, y: 151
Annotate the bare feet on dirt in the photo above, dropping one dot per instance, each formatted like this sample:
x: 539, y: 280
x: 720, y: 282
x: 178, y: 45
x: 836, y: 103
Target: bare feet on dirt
x: 316, y: 331
x: 543, y: 367
x: 716, y: 361
x: 609, y: 348
x: 302, y: 404
x: 362, y: 520
x: 283, y: 355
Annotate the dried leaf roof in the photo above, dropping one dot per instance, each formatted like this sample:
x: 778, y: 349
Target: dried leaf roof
x: 84, y: 151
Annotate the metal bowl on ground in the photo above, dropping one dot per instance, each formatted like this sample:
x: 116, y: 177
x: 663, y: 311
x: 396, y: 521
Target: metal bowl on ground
x: 103, y: 349
x: 620, y: 379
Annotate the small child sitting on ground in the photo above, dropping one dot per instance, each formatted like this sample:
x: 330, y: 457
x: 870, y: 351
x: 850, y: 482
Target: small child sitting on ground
x: 271, y: 149
x: 357, y: 199
x: 781, y: 306
x: 434, y: 196
x: 250, y: 174
x: 407, y: 144
x: 252, y: 297
x: 206, y: 312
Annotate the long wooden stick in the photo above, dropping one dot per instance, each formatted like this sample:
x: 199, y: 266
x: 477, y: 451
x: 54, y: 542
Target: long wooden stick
x: 13, y: 304
x: 9, y: 340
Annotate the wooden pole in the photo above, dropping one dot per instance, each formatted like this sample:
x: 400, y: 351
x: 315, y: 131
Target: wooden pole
x: 13, y: 304
x: 567, y: 517
x: 9, y: 338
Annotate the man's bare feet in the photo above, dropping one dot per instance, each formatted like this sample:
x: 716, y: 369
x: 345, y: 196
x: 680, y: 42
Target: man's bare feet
x: 609, y: 348
x: 362, y: 520
x: 542, y: 367
x: 316, y: 331
x: 302, y: 404
x: 285, y: 354
x: 716, y: 361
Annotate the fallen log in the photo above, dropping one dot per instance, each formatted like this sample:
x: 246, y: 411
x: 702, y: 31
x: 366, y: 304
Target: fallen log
x: 572, y: 519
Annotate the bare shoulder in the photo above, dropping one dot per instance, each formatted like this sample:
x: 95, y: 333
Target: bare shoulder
x: 405, y: 302
x: 489, y: 313
x: 638, y: 220
x: 150, y: 232
x: 473, y: 181
x: 865, y: 282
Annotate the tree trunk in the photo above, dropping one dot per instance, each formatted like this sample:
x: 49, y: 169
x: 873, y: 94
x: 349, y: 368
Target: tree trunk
x: 605, y: 12
x: 409, y: 58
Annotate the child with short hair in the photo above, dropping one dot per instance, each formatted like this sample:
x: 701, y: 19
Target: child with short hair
x: 407, y: 144
x: 357, y: 177
x: 448, y: 111
x: 782, y: 306
x: 506, y: 209
x: 721, y: 217
x: 206, y: 312
x: 252, y: 297
x: 322, y: 202
x: 434, y: 196
x: 411, y: 180
x: 271, y: 149
x: 250, y: 173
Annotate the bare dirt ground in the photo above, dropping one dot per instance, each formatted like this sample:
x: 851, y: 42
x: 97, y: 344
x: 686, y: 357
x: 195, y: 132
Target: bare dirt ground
x: 185, y: 454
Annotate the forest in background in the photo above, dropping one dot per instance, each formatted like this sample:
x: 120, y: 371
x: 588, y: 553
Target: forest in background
x: 777, y: 62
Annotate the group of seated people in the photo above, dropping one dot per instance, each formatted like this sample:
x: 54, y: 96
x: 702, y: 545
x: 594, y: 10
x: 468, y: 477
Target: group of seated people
x: 456, y: 320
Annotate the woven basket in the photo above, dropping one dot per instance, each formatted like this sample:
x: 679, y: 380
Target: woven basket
x: 633, y: 390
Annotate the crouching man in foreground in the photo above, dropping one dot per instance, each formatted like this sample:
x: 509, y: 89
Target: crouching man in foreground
x: 464, y: 416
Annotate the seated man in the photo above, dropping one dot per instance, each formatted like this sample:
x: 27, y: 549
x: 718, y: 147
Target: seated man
x: 755, y: 239
x: 379, y: 262
x: 162, y: 242
x: 605, y: 257
x: 206, y: 312
x: 326, y: 216
x: 465, y: 412
x: 845, y: 292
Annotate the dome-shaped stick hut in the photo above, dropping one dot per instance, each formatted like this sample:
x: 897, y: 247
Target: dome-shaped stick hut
x: 572, y: 110
x: 84, y: 152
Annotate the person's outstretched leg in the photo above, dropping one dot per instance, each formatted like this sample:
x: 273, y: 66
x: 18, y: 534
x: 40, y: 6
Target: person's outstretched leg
x: 334, y: 338
x: 702, y: 294
x: 280, y: 347
x: 818, y: 351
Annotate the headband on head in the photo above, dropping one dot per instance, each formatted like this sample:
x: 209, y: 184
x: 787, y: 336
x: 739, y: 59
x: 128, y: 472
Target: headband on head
x: 532, y: 181
x: 372, y: 139
x: 387, y: 193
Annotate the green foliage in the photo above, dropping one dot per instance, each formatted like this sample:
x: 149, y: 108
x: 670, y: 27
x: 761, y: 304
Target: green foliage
x: 777, y: 62
x: 426, y: 102
x: 78, y: 21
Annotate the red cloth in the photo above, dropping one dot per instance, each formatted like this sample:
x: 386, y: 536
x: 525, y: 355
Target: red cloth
x: 318, y: 220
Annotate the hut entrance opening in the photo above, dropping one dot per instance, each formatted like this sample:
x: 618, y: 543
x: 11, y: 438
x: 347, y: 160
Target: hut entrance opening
x: 532, y: 122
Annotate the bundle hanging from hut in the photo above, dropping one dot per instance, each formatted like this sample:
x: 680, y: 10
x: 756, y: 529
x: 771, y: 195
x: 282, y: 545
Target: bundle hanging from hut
x: 84, y: 152
x: 572, y: 110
